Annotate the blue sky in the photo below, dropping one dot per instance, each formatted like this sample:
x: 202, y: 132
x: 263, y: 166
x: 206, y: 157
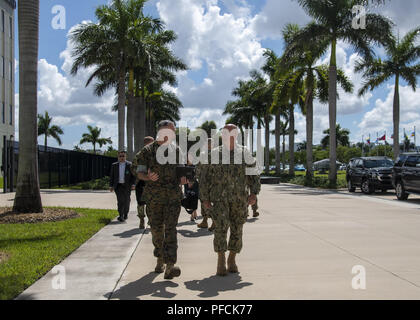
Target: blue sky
x: 221, y: 41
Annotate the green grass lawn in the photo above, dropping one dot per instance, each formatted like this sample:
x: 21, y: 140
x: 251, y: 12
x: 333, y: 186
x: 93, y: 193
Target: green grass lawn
x: 34, y: 249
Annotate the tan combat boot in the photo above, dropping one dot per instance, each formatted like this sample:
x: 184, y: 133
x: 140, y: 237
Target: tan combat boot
x: 141, y: 226
x: 203, y: 224
x: 221, y: 265
x: 213, y: 227
x: 160, y: 266
x: 171, y: 271
x: 232, y: 267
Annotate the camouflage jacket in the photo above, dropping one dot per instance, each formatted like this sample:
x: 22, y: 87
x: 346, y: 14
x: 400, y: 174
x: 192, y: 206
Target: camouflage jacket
x: 167, y: 188
x: 229, y: 180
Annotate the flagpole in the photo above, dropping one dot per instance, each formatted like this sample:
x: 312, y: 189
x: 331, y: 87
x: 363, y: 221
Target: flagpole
x: 385, y: 145
x: 377, y: 147
x: 363, y: 144
x: 415, y: 145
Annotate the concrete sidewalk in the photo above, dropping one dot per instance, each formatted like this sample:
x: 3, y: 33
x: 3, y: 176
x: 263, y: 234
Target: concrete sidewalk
x: 304, y: 246
x: 93, y: 270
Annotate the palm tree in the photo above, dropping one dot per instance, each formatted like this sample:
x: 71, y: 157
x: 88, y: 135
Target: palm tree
x: 401, y: 56
x: 28, y: 197
x: 342, y: 137
x: 333, y: 22
x: 105, y: 45
x: 45, y: 128
x: 94, y: 137
x: 208, y: 126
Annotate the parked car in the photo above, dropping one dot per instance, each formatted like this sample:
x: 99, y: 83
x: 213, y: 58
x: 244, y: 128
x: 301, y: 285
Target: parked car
x: 406, y: 175
x: 370, y: 174
x: 300, y: 167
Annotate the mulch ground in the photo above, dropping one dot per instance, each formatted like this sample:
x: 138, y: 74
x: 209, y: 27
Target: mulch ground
x: 3, y: 257
x: 7, y: 216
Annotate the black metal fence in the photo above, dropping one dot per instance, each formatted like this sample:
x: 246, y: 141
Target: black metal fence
x: 57, y: 167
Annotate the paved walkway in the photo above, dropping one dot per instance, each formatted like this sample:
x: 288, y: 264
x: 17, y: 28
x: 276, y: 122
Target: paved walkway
x: 303, y: 246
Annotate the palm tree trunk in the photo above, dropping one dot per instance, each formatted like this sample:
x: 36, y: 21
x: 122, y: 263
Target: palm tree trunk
x: 309, y: 134
x: 45, y: 142
x: 267, y: 144
x: 278, y: 142
x: 28, y: 197
x: 332, y: 100
x: 121, y: 107
x: 396, y: 117
x: 284, y: 152
x: 259, y: 141
x: 142, y: 118
x: 130, y: 127
x: 292, y: 139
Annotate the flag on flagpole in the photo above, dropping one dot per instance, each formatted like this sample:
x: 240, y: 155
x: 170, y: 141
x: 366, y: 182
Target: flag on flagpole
x: 383, y: 138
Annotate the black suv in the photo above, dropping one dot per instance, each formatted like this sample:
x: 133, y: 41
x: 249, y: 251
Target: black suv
x: 370, y: 174
x: 406, y: 175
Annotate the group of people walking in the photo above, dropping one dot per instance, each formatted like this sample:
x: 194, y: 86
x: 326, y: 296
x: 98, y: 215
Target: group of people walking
x: 224, y: 189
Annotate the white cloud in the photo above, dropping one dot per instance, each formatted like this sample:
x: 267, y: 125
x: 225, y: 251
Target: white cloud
x: 380, y: 118
x: 275, y: 14
x: 221, y: 47
x: 69, y: 102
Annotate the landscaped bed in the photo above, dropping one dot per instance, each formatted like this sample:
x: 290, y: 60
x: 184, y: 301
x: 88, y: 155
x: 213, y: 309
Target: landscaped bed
x: 30, y: 250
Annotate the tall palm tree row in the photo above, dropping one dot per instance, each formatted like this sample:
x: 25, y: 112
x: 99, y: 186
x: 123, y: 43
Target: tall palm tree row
x: 130, y: 53
x: 332, y: 22
x: 302, y: 76
x: 402, y: 62
x: 28, y: 197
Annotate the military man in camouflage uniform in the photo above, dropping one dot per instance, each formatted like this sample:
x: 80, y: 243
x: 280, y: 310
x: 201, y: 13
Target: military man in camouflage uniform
x: 228, y: 189
x: 163, y: 196
x: 206, y: 213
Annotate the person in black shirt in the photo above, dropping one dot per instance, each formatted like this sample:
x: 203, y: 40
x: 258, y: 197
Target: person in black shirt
x: 190, y: 201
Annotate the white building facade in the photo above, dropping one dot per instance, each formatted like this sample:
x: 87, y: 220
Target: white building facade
x: 7, y: 71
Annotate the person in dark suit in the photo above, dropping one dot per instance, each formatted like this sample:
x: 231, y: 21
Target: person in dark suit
x: 122, y: 181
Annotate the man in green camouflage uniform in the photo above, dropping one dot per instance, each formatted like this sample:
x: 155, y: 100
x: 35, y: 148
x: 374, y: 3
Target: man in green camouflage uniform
x: 163, y: 196
x: 206, y: 213
x: 228, y: 189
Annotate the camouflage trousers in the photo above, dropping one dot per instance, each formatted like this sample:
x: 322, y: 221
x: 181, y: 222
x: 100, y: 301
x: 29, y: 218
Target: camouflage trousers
x: 141, y: 211
x: 229, y: 215
x: 163, y: 220
x: 255, y: 206
x: 205, y: 213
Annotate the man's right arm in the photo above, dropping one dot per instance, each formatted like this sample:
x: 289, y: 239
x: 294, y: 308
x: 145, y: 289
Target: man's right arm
x: 111, y: 179
x: 140, y: 168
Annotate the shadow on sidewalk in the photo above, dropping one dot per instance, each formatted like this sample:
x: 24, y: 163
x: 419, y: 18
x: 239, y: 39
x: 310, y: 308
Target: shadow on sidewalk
x: 129, y: 233
x: 211, y: 286
x: 195, y: 234
x: 144, y: 287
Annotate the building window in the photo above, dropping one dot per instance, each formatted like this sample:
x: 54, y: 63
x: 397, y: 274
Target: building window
x: 3, y: 114
x: 2, y: 20
x: 10, y: 27
x: 11, y: 115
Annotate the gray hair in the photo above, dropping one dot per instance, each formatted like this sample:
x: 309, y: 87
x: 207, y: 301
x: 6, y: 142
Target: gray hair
x: 165, y: 124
